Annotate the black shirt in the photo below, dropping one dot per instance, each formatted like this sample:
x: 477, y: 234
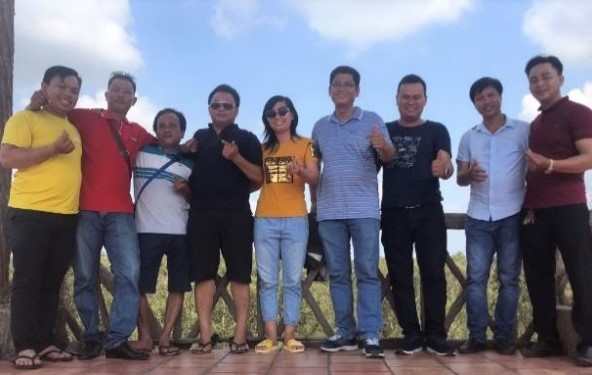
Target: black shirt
x: 217, y: 183
x: 407, y: 181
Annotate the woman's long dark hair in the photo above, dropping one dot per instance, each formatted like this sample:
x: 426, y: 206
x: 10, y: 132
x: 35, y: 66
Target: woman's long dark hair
x: 270, y: 141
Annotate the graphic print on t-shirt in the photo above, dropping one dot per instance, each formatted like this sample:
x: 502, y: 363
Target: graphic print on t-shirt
x: 406, y: 147
x: 276, y: 170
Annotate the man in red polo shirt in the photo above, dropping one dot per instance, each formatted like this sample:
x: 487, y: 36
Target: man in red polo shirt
x: 106, y: 218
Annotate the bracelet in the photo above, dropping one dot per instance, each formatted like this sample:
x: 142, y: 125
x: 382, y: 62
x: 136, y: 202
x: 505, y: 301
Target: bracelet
x: 549, y: 169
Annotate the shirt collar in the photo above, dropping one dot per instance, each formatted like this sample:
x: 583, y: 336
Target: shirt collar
x: 357, y: 114
x: 109, y: 116
x: 554, y: 105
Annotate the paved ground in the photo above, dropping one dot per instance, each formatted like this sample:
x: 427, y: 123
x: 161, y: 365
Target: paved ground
x: 313, y: 362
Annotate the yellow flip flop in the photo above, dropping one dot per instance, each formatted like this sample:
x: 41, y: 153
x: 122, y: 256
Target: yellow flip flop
x: 294, y: 346
x: 266, y: 346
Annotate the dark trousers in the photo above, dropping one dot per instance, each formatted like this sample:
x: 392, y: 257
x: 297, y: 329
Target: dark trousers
x: 567, y: 228
x: 425, y: 227
x: 42, y: 246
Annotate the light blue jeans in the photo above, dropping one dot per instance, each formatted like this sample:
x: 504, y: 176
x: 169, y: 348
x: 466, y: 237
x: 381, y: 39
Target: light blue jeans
x: 285, y: 239
x: 117, y: 232
x: 336, y: 236
x: 484, y: 239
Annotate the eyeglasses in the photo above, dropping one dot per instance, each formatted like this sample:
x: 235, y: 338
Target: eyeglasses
x: 217, y: 105
x: 281, y: 112
x: 343, y: 85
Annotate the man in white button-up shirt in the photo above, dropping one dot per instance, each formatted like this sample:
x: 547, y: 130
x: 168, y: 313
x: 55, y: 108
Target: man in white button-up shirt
x: 491, y: 159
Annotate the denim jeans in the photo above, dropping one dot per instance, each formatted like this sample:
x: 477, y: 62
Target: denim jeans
x: 285, y: 239
x: 117, y: 232
x: 336, y: 236
x: 484, y: 239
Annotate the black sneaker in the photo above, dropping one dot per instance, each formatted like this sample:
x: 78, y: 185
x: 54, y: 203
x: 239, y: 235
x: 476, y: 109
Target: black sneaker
x: 472, y: 346
x: 584, y: 357
x: 505, y: 346
x: 542, y: 348
x: 439, y: 346
x: 338, y: 343
x: 410, y: 345
x: 372, y: 348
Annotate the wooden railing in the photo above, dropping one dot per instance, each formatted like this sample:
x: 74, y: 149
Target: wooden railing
x: 67, y: 321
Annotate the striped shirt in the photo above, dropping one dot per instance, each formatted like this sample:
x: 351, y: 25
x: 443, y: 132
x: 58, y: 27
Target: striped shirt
x: 160, y: 208
x: 348, y: 185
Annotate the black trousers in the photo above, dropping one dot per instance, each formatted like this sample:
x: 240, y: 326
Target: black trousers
x: 425, y: 227
x: 42, y: 247
x: 567, y: 228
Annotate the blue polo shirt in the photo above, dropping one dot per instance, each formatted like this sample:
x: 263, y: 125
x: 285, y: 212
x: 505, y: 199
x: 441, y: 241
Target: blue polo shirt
x: 502, y: 156
x: 348, y: 186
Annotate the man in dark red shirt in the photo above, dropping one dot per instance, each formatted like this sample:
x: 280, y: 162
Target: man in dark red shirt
x: 554, y: 212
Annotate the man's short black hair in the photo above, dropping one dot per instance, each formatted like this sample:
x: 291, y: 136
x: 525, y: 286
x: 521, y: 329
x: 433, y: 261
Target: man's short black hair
x: 122, y: 75
x: 62, y: 72
x: 227, y: 89
x: 542, y: 59
x: 343, y: 69
x: 180, y: 116
x: 482, y: 83
x: 412, y: 78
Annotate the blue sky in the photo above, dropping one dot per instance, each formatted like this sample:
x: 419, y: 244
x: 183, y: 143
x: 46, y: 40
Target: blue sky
x: 179, y: 50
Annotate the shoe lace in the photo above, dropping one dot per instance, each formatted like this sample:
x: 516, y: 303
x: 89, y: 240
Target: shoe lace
x: 372, y: 341
x: 336, y: 338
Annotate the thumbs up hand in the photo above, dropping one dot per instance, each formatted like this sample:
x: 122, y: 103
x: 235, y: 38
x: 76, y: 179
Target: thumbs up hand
x: 376, y: 138
x: 441, y: 167
x: 63, y: 144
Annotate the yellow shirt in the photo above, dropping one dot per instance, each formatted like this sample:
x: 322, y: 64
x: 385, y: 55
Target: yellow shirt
x: 53, y: 185
x: 282, y: 194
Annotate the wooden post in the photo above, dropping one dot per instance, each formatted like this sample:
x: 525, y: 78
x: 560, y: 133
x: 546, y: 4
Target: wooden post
x: 6, y: 73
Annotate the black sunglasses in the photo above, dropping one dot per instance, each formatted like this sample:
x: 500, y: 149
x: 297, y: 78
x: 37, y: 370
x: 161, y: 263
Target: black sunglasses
x: 281, y: 112
x: 217, y: 105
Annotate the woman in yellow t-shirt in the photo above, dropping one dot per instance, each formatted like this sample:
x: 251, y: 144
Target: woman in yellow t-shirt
x: 281, y: 224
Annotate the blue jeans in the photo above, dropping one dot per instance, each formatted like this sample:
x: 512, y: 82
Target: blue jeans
x: 336, y: 236
x: 484, y: 239
x: 117, y: 232
x: 285, y: 239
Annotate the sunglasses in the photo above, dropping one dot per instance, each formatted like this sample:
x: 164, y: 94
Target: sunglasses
x: 281, y: 112
x: 217, y: 105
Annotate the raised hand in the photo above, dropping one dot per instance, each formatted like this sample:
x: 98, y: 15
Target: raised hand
x: 537, y: 161
x: 63, y: 144
x: 229, y: 150
x: 440, y: 165
x: 376, y: 138
x: 189, y: 146
x: 38, y: 100
x: 477, y: 173
x: 293, y: 166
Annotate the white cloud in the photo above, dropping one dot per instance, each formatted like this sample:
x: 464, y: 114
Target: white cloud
x: 362, y: 23
x: 142, y: 112
x: 529, y: 108
x: 583, y: 95
x: 91, y: 36
x: 233, y: 17
x: 562, y: 28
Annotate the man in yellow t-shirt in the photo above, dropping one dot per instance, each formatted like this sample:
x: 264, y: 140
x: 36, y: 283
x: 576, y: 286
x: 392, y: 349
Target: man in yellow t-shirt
x: 45, y: 150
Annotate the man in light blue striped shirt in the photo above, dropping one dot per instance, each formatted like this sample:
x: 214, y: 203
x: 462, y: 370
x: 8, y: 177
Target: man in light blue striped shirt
x: 351, y: 143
